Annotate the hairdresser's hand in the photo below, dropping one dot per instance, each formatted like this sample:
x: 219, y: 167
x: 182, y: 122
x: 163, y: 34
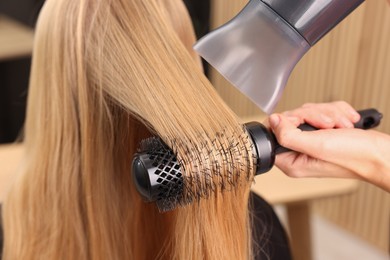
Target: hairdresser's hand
x: 344, y: 152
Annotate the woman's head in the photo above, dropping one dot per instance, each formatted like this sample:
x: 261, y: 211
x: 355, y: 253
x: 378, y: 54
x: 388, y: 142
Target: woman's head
x: 105, y: 75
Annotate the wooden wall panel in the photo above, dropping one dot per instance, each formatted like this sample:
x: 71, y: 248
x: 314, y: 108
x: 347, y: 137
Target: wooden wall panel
x: 351, y: 63
x: 367, y: 213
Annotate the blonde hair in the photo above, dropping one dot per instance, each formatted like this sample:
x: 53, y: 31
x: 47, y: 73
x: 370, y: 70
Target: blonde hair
x: 105, y: 75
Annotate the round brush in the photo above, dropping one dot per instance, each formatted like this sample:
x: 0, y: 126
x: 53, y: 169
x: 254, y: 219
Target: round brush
x: 157, y: 173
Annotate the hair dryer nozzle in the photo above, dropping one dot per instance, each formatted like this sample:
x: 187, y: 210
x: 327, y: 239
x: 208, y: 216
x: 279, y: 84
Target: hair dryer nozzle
x: 256, y: 51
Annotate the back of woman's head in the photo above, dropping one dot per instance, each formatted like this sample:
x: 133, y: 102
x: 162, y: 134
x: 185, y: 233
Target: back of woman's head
x: 105, y: 75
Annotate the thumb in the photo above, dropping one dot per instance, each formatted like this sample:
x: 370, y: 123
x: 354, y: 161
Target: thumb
x: 285, y: 131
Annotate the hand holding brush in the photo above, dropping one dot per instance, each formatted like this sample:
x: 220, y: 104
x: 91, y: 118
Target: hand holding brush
x: 158, y: 175
x: 337, y: 153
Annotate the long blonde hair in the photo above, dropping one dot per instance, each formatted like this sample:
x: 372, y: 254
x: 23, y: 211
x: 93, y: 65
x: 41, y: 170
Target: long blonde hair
x: 105, y: 75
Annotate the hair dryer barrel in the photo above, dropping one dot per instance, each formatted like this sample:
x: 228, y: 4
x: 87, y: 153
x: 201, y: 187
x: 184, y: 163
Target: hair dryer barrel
x: 313, y: 18
x: 265, y: 41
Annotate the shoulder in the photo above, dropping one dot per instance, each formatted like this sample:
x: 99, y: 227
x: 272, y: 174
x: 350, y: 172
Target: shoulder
x: 270, y: 240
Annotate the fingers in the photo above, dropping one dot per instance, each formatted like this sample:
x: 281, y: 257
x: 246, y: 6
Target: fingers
x: 299, y: 165
x: 296, y: 121
x: 322, y: 153
x: 326, y: 115
x: 336, y: 146
x: 285, y: 131
x: 289, y: 136
x: 309, y: 148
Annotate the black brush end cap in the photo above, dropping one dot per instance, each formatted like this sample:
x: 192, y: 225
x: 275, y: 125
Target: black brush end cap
x: 141, y: 178
x: 264, y: 146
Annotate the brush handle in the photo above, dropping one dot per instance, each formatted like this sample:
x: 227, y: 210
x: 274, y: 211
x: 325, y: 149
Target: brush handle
x: 266, y: 147
x: 369, y: 118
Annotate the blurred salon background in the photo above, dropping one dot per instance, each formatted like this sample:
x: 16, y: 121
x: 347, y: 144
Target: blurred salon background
x: 15, y: 66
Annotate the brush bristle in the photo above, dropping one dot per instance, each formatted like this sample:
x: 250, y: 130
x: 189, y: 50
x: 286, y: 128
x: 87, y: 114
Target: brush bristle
x: 204, y: 168
x: 216, y: 164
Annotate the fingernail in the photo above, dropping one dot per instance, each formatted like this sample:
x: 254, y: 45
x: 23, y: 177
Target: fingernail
x: 346, y: 123
x: 355, y: 116
x: 274, y: 121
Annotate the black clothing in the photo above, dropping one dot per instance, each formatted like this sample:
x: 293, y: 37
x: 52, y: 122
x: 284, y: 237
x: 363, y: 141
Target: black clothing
x: 270, y: 239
